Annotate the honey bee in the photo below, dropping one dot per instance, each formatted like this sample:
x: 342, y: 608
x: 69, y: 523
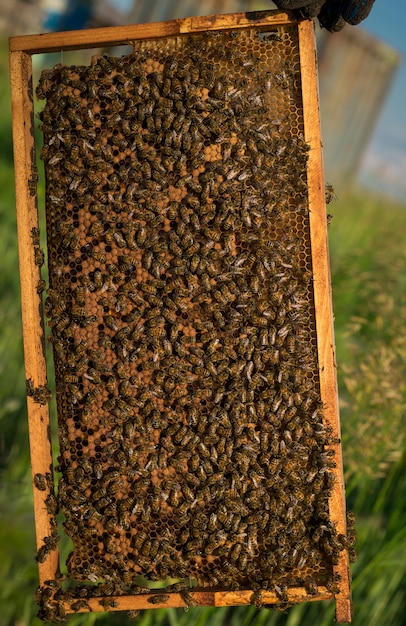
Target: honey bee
x: 138, y: 539
x: 40, y: 482
x: 41, y: 394
x: 172, y: 211
x: 50, y: 543
x: 188, y: 598
x: 332, y: 586
x: 39, y: 256
x: 98, y: 256
x: 256, y: 598
x: 158, y: 599
x: 78, y: 605
x: 330, y: 196
x: 119, y: 239
x: 110, y: 322
x: 107, y: 589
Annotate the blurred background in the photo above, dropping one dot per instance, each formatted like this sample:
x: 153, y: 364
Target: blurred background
x: 362, y: 94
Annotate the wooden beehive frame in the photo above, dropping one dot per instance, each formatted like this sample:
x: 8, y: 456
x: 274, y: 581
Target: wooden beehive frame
x: 21, y: 51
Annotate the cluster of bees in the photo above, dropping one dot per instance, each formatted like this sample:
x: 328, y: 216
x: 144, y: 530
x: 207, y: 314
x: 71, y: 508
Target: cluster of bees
x: 192, y: 441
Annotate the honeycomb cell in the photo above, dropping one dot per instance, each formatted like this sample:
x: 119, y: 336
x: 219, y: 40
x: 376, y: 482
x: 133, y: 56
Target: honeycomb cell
x: 181, y: 310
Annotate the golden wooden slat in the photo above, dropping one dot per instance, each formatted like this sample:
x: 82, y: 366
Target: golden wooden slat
x: 120, y: 35
x: 201, y: 598
x: 33, y: 330
x: 322, y: 297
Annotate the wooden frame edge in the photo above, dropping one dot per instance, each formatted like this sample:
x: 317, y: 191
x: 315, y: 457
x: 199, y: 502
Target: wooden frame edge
x: 32, y: 319
x: 323, y: 298
x: 201, y: 597
x: 122, y: 35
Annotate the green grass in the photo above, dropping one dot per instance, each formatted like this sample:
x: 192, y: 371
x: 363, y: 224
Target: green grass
x: 369, y: 289
x: 368, y: 263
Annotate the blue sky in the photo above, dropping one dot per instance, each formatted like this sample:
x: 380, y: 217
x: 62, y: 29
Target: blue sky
x: 384, y: 164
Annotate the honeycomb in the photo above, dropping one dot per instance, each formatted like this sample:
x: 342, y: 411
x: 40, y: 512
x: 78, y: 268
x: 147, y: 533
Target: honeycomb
x: 180, y: 302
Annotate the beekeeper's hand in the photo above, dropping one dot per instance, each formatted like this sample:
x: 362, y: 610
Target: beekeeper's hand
x: 332, y: 14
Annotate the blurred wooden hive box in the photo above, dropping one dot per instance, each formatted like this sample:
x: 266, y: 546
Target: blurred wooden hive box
x: 189, y: 307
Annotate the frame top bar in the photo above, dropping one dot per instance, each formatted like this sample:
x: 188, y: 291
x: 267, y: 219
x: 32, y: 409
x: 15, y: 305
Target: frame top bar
x: 124, y: 35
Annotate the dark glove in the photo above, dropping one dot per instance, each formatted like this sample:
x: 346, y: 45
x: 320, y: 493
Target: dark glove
x: 354, y: 11
x: 332, y: 14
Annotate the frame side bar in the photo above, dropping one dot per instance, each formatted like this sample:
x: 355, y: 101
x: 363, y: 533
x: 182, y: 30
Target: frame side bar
x: 323, y: 298
x: 121, y: 35
x: 32, y: 320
